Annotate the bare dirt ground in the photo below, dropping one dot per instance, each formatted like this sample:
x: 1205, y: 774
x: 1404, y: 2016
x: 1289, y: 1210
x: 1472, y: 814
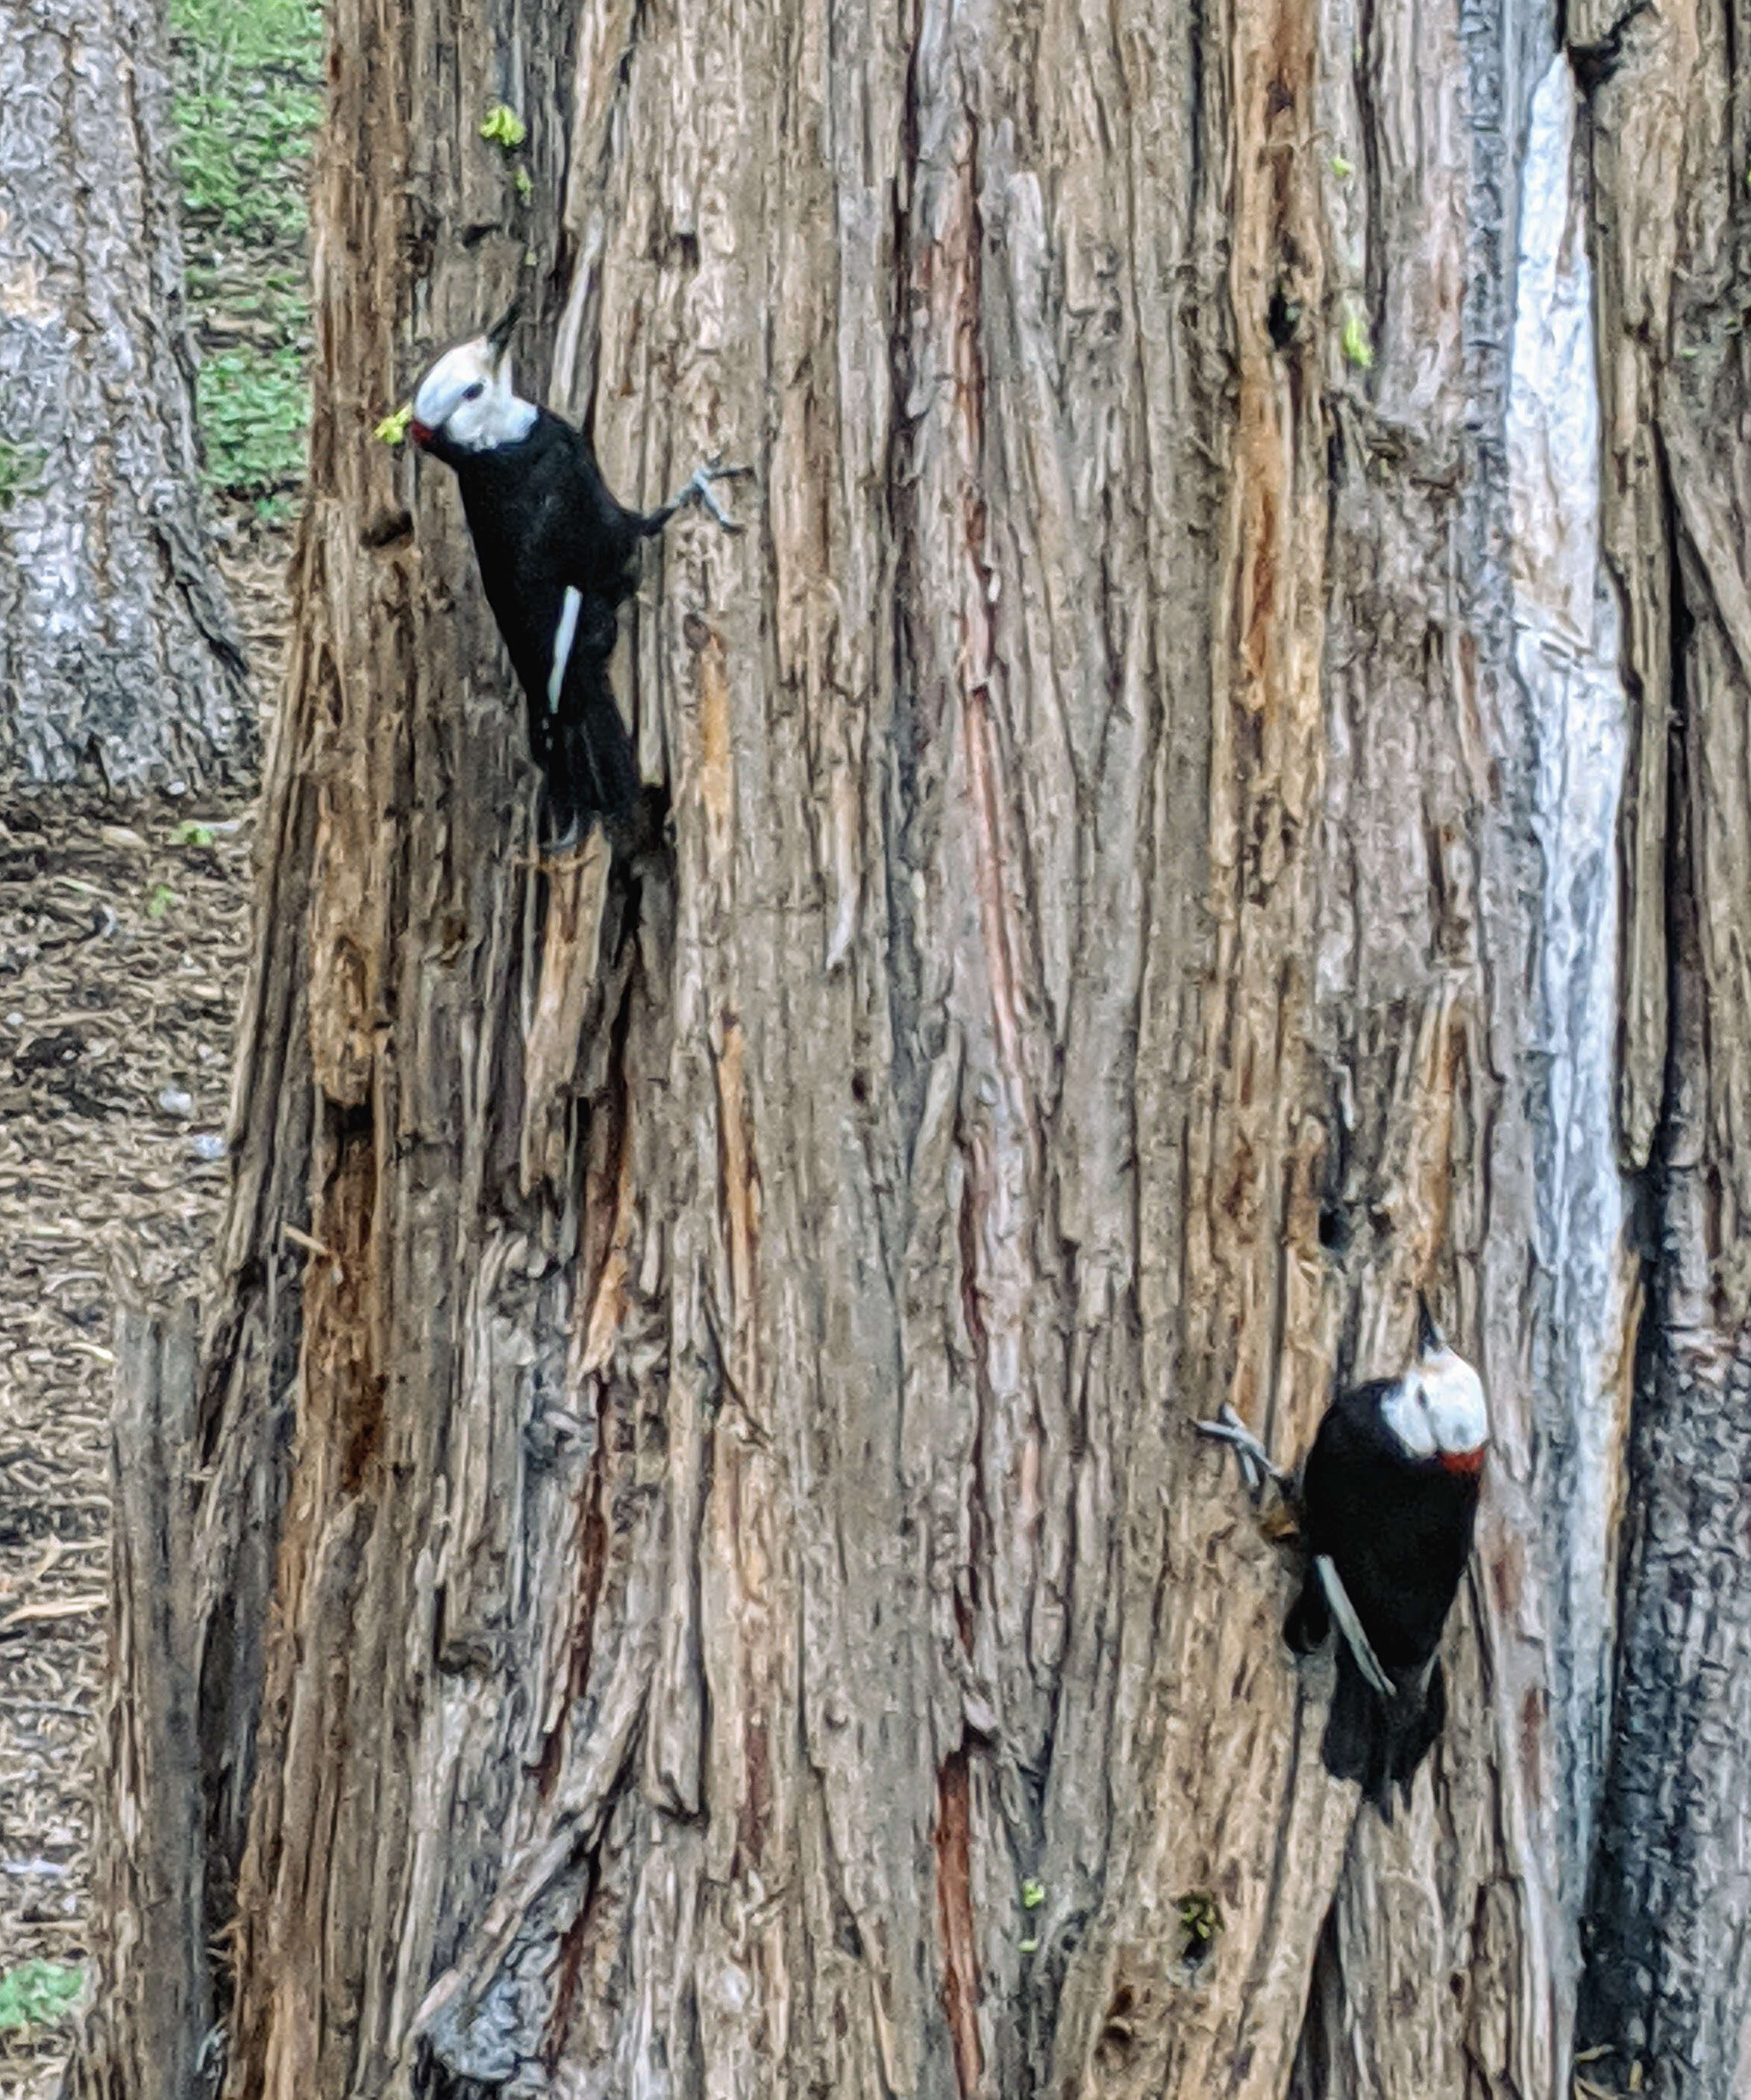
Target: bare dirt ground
x: 124, y: 930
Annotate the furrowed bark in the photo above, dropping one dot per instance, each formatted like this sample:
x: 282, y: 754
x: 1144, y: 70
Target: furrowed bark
x: 1668, y: 1989
x: 750, y: 1613
x: 150, y: 2031
x: 117, y: 651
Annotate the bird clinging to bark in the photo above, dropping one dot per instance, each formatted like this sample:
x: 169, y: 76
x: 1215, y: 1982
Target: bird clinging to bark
x: 555, y: 551
x: 1387, y: 1502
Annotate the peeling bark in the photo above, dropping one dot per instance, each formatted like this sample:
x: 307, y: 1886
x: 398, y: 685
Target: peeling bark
x: 116, y: 646
x: 1668, y: 1988
x: 1141, y: 899
x: 148, y: 2032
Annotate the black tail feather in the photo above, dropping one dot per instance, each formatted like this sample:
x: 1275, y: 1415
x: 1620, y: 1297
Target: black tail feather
x: 1378, y: 1742
x: 585, y: 755
x: 591, y: 770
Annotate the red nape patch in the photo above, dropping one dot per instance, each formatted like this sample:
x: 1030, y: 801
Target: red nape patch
x: 421, y: 434
x: 1463, y: 1461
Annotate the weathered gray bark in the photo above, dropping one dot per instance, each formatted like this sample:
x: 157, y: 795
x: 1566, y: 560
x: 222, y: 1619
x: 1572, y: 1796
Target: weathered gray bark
x: 147, y: 2030
x: 116, y: 647
x: 1143, y: 895
x: 1668, y: 1985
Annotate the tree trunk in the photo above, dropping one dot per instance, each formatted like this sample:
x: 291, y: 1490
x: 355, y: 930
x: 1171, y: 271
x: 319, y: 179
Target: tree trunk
x: 1668, y: 1981
x: 148, y: 2029
x: 116, y: 647
x: 712, y: 1343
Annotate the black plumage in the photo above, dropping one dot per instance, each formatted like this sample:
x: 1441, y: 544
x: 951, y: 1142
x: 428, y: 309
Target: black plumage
x: 555, y: 554
x: 541, y: 519
x: 1397, y: 1527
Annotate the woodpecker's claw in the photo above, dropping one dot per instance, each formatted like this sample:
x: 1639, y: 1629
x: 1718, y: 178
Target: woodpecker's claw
x: 697, y: 489
x: 1255, y: 1464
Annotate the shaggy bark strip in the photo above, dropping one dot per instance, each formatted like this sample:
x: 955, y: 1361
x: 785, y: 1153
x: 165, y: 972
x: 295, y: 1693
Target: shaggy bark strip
x: 146, y: 2036
x: 1668, y: 1988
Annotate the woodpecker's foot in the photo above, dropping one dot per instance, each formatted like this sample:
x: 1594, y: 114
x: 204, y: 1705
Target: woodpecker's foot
x: 1255, y: 1464
x: 697, y: 489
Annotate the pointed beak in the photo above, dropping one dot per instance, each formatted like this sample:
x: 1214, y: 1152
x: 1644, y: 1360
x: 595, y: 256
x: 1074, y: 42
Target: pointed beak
x: 1430, y: 1342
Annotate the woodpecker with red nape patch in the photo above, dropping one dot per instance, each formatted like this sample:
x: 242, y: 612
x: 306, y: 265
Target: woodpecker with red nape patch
x: 1388, y: 1502
x: 555, y: 551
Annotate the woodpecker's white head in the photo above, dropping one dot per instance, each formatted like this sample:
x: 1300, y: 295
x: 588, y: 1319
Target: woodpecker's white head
x: 1437, y: 1408
x: 466, y: 402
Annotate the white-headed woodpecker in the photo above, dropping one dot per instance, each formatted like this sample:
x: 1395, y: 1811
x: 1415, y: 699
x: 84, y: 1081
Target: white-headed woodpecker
x: 1387, y: 1502
x: 555, y: 551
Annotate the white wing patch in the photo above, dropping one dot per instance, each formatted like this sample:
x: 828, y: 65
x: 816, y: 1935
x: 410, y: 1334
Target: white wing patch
x: 564, y: 635
x: 1351, y: 1627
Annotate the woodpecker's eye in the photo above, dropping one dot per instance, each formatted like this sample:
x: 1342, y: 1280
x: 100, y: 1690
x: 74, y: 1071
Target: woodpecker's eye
x: 475, y: 391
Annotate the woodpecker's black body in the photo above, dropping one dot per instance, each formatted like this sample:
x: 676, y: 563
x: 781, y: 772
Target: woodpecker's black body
x: 1397, y: 1527
x: 541, y: 518
x: 556, y: 553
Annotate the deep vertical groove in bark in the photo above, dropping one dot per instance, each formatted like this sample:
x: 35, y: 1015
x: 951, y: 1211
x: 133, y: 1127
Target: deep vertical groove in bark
x: 955, y: 1923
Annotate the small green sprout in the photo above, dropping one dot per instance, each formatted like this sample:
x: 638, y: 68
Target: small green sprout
x: 1029, y: 1947
x: 503, y: 127
x: 159, y: 899
x: 190, y: 833
x: 523, y: 182
x: 393, y: 430
x: 1033, y: 1894
x: 37, y: 1993
x: 1357, y: 348
x: 1341, y: 168
x: 1201, y: 1917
